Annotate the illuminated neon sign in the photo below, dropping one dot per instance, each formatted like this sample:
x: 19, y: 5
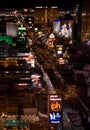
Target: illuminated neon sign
x: 8, y: 39
x: 55, y: 109
x: 55, y: 106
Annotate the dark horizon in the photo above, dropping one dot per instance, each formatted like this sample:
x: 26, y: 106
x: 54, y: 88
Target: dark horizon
x: 62, y: 4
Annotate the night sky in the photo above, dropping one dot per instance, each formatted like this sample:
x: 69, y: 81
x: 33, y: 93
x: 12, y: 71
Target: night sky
x: 62, y: 4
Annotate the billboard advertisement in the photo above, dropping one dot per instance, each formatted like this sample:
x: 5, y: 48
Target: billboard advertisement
x: 55, y: 109
x: 56, y: 26
x: 63, y: 28
x: 66, y: 29
x: 11, y: 29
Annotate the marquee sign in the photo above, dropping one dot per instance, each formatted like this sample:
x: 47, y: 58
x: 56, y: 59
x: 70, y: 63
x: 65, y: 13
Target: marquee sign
x: 55, y: 109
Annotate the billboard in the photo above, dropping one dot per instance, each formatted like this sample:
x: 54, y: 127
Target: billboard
x: 55, y: 109
x: 56, y: 26
x: 11, y: 29
x: 66, y: 29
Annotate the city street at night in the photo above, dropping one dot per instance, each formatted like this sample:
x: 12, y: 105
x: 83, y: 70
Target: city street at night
x: 45, y: 65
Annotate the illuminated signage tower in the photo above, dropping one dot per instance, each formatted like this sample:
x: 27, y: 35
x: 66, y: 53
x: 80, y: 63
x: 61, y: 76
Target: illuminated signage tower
x: 55, y: 110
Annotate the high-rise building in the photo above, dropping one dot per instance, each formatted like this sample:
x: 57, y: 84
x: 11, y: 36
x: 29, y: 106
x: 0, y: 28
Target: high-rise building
x: 45, y: 15
x: 82, y: 19
x: 85, y: 33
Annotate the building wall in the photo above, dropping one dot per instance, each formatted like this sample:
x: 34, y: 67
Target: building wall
x: 45, y: 14
x: 86, y: 20
x: 85, y: 28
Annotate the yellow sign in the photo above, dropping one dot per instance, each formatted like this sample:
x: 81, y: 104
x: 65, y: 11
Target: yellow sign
x: 55, y: 106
